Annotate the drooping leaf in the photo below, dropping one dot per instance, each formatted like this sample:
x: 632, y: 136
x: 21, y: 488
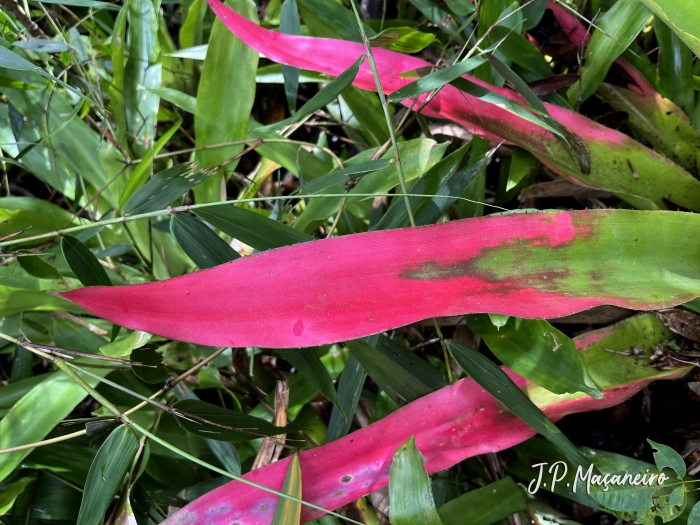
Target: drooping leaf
x: 346, y: 469
x: 538, y: 265
x: 83, y: 263
x: 165, y: 187
x: 106, y: 476
x: 251, y: 227
x: 203, y: 246
x: 288, y: 512
x: 410, y: 496
x: 226, y: 425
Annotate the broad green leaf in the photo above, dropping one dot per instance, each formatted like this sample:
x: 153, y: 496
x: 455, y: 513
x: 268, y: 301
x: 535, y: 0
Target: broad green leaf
x: 224, y: 100
x: 665, y: 456
x: 288, y: 512
x: 624, y: 498
x: 342, y: 176
x: 106, y: 475
x: 142, y: 171
x: 83, y: 263
x: 537, y: 351
x: 9, y: 493
x: 522, y: 165
x: 251, y: 227
x: 37, y: 413
x: 10, y: 394
x: 331, y: 20
x: 500, y: 386
x: 308, y: 364
x: 228, y: 425
x: 289, y: 24
x: 694, y: 517
x: 486, y: 505
x: 402, y: 386
x: 436, y: 79
x: 618, y: 28
x: 41, y: 45
x: 35, y: 266
x: 439, y: 17
x: 125, y: 344
x: 349, y: 391
x: 460, y: 7
x: 675, y: 67
x: 153, y: 370
x: 402, y: 40
x: 15, y: 300
x: 682, y: 17
x: 32, y: 217
x: 324, y: 97
x: 410, y: 495
x: 165, y: 187
x: 177, y: 98
x: 200, y: 243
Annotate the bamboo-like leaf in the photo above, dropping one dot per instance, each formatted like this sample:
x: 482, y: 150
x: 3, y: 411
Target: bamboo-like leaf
x: 486, y: 505
x: 349, y: 391
x: 83, y: 263
x: 342, y: 176
x: 413, y: 363
x: 538, y: 265
x: 26, y: 216
x: 165, y: 187
x: 402, y: 39
x: 123, y: 346
x: 106, y: 476
x: 147, y: 364
x: 10, y: 493
x: 289, y: 23
x: 251, y: 227
x: 436, y: 79
x: 410, y: 496
x: 288, y: 512
x: 203, y: 246
x: 309, y: 365
x: 38, y: 268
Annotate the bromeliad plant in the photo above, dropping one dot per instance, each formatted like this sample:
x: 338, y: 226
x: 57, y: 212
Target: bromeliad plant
x: 195, y: 289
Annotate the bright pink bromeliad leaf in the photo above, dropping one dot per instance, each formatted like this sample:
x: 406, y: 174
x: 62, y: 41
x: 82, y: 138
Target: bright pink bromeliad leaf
x: 449, y: 425
x: 611, y: 152
x: 537, y: 265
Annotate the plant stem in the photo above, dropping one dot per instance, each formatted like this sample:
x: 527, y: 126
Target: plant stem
x: 385, y: 107
x: 450, y: 378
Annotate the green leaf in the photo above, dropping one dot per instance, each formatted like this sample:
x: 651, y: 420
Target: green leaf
x: 32, y: 217
x: 289, y: 24
x: 413, y: 363
x: 203, y: 246
x: 309, y: 365
x: 402, y: 40
x: 349, y: 391
x: 177, y: 98
x: 142, y: 171
x: 410, y: 496
x: 436, y: 79
x: 324, y: 97
x: 165, y: 187
x: 331, y: 20
x: 35, y: 266
x: 9, y: 494
x: 490, y: 504
x: 124, y: 345
x: 148, y: 365
x: 675, y: 67
x: 624, y: 498
x: 520, y: 51
x: 665, y: 456
x: 251, y: 227
x: 502, y: 387
x: 217, y: 91
x: 16, y: 300
x: 402, y: 386
x: 342, y: 176
x: 272, y: 74
x: 694, y: 516
x: 682, y: 17
x: 522, y: 165
x: 537, y: 351
x: 288, y: 512
x: 618, y: 29
x: 106, y: 475
x: 228, y: 425
x: 37, y: 413
x: 83, y: 263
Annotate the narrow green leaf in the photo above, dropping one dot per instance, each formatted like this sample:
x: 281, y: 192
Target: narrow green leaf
x: 142, y: 170
x: 324, y: 97
x: 83, y: 263
x: 147, y: 364
x: 675, y: 67
x: 106, y: 475
x: 224, y: 103
x: 436, y: 79
x: 251, y: 227
x: 665, y: 456
x: 124, y: 345
x: 35, y: 266
x: 165, y: 187
x: 203, y: 246
x: 490, y: 504
x: 537, y: 351
x: 522, y: 165
x: 228, y: 424
x: 500, y: 386
x: 288, y: 512
x: 402, y: 386
x: 410, y: 495
x: 309, y: 365
x: 9, y: 494
x: 520, y: 51
x: 177, y: 98
x: 349, y: 391
x: 342, y: 176
x: 289, y: 24
x: 402, y: 40
x: 415, y: 364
